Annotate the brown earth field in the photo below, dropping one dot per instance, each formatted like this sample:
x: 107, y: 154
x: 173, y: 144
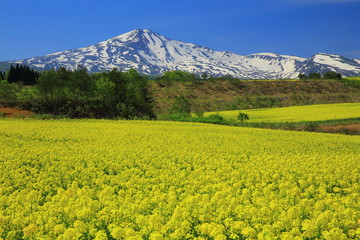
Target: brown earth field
x: 351, y: 129
x: 14, y: 112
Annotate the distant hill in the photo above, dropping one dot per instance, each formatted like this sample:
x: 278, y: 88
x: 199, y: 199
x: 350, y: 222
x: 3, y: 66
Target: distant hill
x: 153, y: 54
x: 234, y: 95
x: 4, y: 66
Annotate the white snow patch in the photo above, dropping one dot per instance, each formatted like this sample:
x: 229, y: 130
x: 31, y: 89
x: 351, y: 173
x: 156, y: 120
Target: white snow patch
x: 334, y: 61
x: 301, y: 59
x: 265, y: 54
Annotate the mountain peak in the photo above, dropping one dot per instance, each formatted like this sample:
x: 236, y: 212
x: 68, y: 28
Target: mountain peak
x: 141, y: 31
x: 135, y: 35
x: 152, y: 53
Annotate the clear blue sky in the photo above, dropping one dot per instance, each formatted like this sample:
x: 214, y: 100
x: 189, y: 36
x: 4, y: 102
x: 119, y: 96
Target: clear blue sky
x: 293, y: 27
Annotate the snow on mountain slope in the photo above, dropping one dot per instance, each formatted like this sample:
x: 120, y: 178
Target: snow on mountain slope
x: 335, y: 61
x: 323, y: 62
x: 152, y: 53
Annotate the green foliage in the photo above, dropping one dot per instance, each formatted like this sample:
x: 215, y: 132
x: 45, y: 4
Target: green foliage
x: 311, y: 126
x: 177, y: 76
x: 205, y: 76
x: 21, y: 73
x: 255, y: 102
x: 77, y: 94
x: 351, y: 82
x: 181, y: 105
x: 314, y: 75
x: 242, y: 116
x: 332, y: 75
x: 8, y: 93
x: 213, y: 119
x: 302, y: 76
x: 170, y: 77
x: 50, y: 86
x: 199, y: 113
x: 216, y: 118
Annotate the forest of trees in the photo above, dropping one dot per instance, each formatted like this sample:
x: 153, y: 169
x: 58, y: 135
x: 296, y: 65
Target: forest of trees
x: 78, y: 94
x: 20, y: 74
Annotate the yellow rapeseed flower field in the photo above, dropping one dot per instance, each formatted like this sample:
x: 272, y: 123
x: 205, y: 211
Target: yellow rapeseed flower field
x: 98, y: 179
x: 353, y: 78
x: 320, y: 112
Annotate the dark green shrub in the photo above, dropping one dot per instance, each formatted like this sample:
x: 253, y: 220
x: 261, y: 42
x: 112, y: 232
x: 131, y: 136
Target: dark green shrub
x: 311, y: 127
x: 215, y: 118
x: 242, y: 116
x: 332, y: 75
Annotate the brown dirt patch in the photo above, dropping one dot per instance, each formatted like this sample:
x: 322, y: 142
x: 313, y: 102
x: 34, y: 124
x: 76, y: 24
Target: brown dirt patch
x: 14, y: 112
x: 346, y: 129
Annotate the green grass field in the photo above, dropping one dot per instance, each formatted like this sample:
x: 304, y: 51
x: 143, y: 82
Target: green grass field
x: 321, y: 112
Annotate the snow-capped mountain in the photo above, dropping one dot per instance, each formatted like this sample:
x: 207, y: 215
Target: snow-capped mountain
x: 151, y: 53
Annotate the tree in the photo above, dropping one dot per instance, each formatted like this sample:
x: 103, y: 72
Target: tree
x: 104, y: 88
x: 242, y: 116
x: 314, y: 75
x: 302, y: 76
x: 181, y: 105
x: 49, y: 85
x: 118, y: 79
x: 80, y: 84
x: 23, y: 74
x: 204, y: 76
x: 332, y: 75
x: 137, y: 93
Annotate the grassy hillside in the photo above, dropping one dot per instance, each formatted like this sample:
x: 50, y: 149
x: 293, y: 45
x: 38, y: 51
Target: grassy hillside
x: 232, y: 95
x: 88, y: 179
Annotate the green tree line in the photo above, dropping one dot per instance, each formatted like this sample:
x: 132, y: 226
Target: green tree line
x: 78, y: 94
x: 326, y: 75
x: 20, y: 74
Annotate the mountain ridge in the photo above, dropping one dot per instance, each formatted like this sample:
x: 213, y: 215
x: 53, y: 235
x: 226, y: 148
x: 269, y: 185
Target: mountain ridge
x: 152, y: 53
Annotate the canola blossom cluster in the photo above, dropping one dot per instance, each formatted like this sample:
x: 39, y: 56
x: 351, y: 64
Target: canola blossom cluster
x: 98, y: 179
x: 319, y: 112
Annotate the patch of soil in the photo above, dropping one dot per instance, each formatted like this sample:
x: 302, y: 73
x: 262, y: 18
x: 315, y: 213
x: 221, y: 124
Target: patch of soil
x: 353, y: 129
x: 14, y: 112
